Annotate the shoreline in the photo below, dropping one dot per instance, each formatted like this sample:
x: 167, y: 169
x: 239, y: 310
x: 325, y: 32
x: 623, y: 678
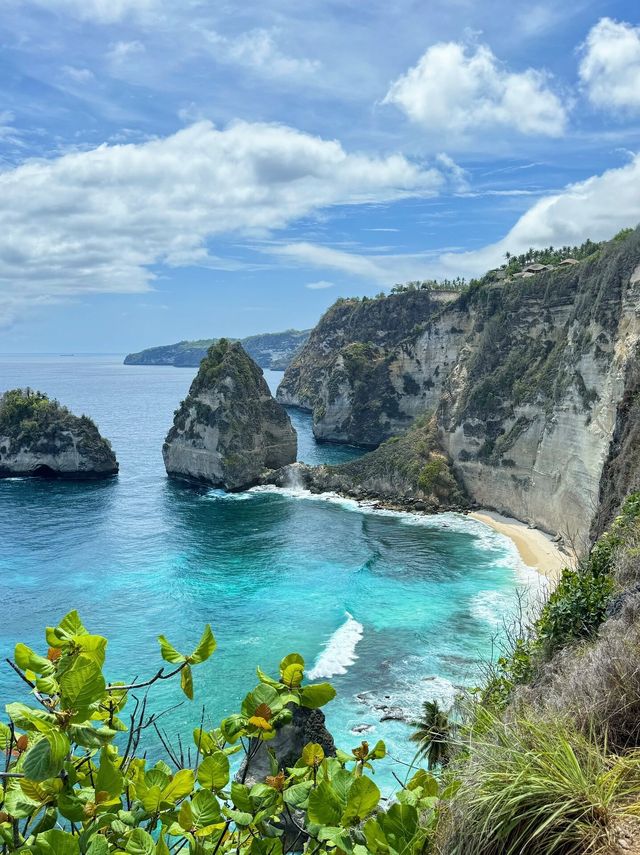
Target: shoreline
x: 536, y: 549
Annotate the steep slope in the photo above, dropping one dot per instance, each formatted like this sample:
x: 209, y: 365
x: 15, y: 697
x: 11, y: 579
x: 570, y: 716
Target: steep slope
x: 270, y: 350
x: 41, y: 438
x: 531, y: 380
x: 229, y: 428
x: 358, y: 370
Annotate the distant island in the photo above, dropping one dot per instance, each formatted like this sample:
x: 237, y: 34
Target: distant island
x: 273, y: 351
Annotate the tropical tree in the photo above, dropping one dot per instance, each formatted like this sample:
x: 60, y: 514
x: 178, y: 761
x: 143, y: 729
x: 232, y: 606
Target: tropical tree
x: 433, y: 734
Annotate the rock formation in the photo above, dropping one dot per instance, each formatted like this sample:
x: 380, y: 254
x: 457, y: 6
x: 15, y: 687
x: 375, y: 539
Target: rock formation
x: 532, y: 382
x: 229, y: 429
x: 41, y: 438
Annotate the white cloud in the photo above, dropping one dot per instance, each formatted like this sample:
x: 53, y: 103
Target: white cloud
x: 78, y: 75
x: 98, y: 220
x: 457, y: 89
x: 120, y: 52
x: 610, y: 66
x: 319, y: 286
x: 596, y: 208
x: 257, y: 50
x: 100, y: 11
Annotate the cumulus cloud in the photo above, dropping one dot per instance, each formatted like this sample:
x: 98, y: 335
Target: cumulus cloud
x: 99, y: 220
x: 610, y: 66
x: 596, y: 208
x: 457, y: 89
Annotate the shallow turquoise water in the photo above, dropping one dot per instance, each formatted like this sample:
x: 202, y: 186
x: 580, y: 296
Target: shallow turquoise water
x: 272, y: 571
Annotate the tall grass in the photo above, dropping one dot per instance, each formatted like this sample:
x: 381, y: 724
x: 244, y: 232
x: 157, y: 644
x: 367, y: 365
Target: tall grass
x: 533, y: 788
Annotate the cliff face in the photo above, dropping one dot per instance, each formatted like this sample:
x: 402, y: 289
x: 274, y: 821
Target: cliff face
x: 40, y: 438
x: 229, y: 429
x: 533, y: 382
x: 360, y: 374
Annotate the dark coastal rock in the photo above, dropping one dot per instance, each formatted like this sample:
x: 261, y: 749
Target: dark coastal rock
x: 229, y: 429
x: 41, y: 438
x: 306, y: 726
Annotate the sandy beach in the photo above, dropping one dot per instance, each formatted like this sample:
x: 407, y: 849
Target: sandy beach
x: 536, y: 548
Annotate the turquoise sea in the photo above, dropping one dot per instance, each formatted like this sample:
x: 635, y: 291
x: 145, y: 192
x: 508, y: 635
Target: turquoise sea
x: 392, y: 608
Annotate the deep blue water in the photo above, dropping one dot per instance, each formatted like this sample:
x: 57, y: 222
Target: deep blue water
x: 272, y: 572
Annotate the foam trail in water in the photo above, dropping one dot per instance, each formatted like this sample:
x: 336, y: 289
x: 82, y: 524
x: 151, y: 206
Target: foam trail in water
x: 340, y: 650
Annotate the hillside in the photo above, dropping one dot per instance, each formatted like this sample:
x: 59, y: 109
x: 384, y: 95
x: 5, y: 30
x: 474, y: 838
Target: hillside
x: 269, y: 350
x: 530, y: 380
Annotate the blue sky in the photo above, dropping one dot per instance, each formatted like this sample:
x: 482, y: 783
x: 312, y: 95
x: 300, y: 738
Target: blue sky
x: 187, y: 169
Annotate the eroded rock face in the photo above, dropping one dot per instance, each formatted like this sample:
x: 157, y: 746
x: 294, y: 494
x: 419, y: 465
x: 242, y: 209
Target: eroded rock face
x: 533, y: 384
x: 41, y: 438
x: 229, y: 429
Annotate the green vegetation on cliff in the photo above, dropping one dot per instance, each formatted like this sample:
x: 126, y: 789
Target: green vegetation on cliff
x: 270, y: 350
x: 32, y: 424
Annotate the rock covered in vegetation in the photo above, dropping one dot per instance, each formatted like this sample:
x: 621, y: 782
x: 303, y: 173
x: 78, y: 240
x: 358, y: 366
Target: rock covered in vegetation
x: 229, y: 429
x: 409, y: 471
x: 41, y: 438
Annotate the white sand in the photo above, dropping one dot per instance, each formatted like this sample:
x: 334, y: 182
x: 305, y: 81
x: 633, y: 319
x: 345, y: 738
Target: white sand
x: 536, y: 548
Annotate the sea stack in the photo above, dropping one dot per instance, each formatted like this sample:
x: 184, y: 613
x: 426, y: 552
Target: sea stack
x: 230, y: 429
x: 41, y: 438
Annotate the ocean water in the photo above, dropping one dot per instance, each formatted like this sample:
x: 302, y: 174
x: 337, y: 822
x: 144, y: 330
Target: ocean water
x: 392, y: 608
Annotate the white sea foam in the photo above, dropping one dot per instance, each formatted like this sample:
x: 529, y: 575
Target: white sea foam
x: 340, y: 650
x: 491, y: 607
x: 215, y: 495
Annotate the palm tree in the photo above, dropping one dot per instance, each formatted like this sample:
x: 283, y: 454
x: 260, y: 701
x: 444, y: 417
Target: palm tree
x: 433, y: 732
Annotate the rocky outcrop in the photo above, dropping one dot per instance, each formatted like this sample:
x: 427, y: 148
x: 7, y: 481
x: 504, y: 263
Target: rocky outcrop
x: 41, y: 438
x: 229, y: 429
x: 408, y: 471
x: 532, y: 382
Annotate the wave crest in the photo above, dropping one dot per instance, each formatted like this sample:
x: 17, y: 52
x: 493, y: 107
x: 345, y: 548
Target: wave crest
x: 340, y: 650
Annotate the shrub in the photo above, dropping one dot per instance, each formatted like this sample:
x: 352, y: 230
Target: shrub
x: 533, y: 786
x: 73, y: 787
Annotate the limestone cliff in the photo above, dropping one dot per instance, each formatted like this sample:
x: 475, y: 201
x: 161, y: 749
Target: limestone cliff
x: 229, y: 429
x: 533, y: 382
x: 357, y: 372
x: 41, y: 438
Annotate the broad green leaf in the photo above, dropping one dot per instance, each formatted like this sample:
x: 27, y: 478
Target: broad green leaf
x: 28, y: 718
x: 205, y: 809
x: 379, y: 751
x: 399, y: 824
x: 71, y: 808
x: 296, y: 796
x: 109, y: 779
x: 28, y: 660
x: 169, y: 653
x: 179, y: 787
x: 57, y: 842
x: 185, y: 816
x: 5, y: 736
x: 90, y: 737
x: 241, y: 798
x: 150, y: 798
x: 325, y: 807
x: 232, y: 727
x: 82, y: 684
x: 94, y: 647
x: 312, y: 754
x: 71, y: 625
x: 262, y: 694
x: 161, y: 846
x: 186, y: 681
x: 239, y: 817
x: 45, y: 758
x: 213, y: 772
x: 265, y: 678
x: 266, y: 846
x: 363, y: 798
x: 292, y: 675
x: 205, y: 648
x: 204, y: 741
x: 317, y: 695
x: 98, y: 846
x: 140, y: 843
x: 291, y: 659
